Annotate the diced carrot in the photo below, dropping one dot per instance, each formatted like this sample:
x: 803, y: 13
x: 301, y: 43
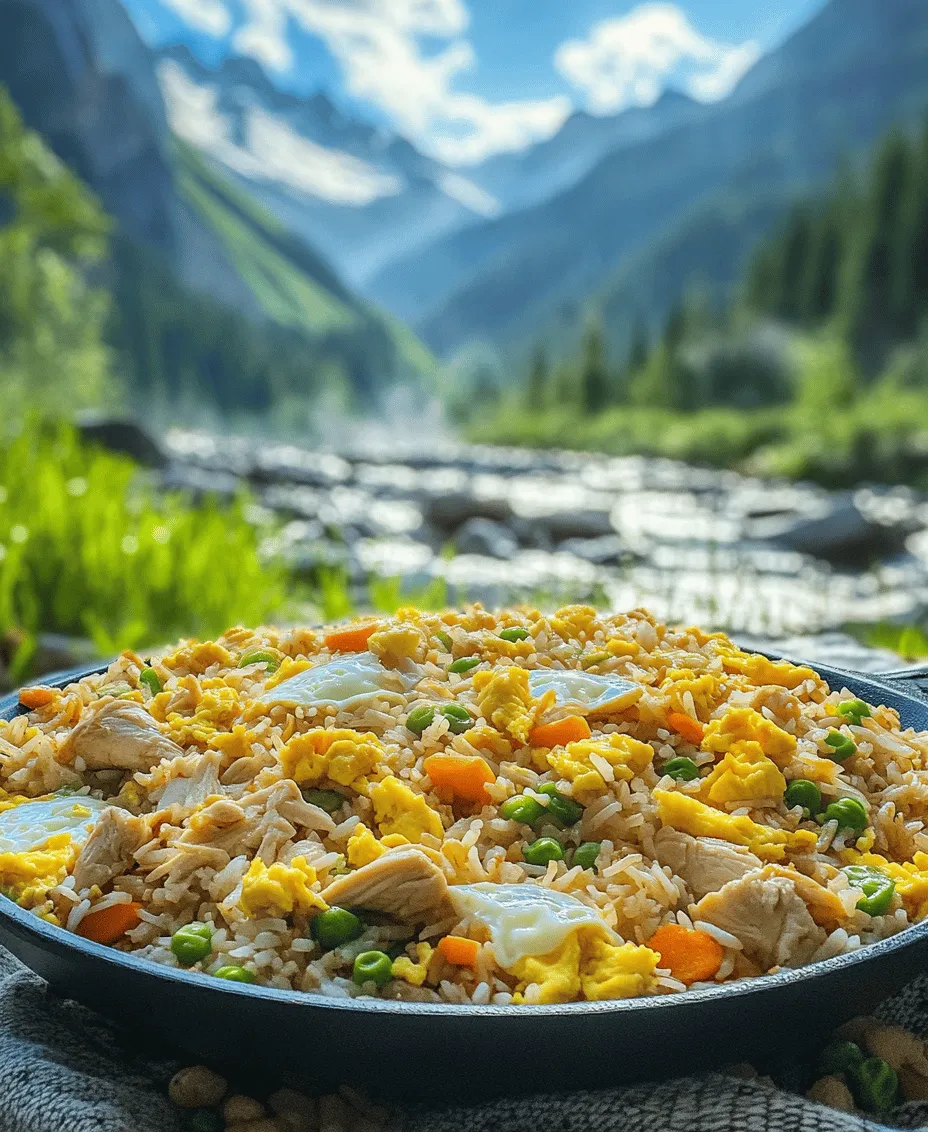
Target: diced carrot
x: 107, y: 925
x: 351, y: 640
x: 458, y: 950
x: 692, y: 956
x: 691, y: 729
x: 38, y: 697
x: 465, y: 777
x: 561, y: 732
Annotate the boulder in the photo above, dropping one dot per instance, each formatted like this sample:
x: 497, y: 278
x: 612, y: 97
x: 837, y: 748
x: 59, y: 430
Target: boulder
x: 601, y: 551
x: 448, y: 510
x: 123, y: 435
x: 485, y: 537
x: 843, y: 535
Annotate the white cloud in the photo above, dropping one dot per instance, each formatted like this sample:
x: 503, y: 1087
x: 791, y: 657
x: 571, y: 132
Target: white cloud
x: 630, y: 59
x: 385, y: 49
x: 210, y: 16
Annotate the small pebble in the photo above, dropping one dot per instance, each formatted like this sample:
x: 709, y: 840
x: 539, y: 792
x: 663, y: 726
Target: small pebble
x: 833, y: 1092
x: 239, y: 1110
x: 197, y: 1087
x: 334, y: 1114
x: 299, y: 1111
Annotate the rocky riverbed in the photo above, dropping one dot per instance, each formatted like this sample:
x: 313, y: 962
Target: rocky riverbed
x: 759, y: 558
x: 764, y: 560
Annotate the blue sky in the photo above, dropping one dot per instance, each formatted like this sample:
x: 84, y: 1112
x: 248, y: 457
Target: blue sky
x: 467, y: 78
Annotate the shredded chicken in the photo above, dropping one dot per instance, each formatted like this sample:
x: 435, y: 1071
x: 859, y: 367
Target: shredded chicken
x: 190, y: 793
x: 705, y: 863
x: 402, y: 883
x: 108, y: 851
x: 769, y: 917
x: 120, y: 734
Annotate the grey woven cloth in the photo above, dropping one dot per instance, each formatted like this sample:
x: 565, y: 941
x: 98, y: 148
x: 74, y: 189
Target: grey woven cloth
x: 63, y: 1069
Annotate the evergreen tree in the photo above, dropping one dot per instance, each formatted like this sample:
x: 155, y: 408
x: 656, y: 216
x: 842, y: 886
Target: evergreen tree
x: 594, y: 374
x: 537, y: 386
x: 638, y: 348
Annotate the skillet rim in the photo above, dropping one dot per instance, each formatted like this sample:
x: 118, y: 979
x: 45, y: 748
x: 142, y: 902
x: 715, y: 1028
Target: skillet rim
x: 51, y: 938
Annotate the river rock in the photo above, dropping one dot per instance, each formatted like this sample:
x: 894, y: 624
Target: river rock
x: 843, y: 535
x: 449, y: 510
x: 199, y: 483
x: 285, y: 463
x: 120, y: 434
x: 484, y: 536
x: 600, y: 551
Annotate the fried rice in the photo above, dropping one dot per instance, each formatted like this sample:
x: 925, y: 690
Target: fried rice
x: 466, y: 807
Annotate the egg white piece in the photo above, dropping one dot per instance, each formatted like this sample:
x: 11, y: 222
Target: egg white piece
x: 524, y: 919
x: 30, y: 824
x: 343, y: 682
x: 582, y: 691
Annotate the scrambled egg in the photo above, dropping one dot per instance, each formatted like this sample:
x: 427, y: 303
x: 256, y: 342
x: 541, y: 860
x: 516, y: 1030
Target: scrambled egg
x: 744, y: 731
x: 216, y: 709
x: 760, y: 670
x: 626, y: 756
x: 415, y: 973
x: 280, y: 889
x: 363, y: 847
x: 198, y: 656
x: 399, y: 811
x: 618, y: 647
x: 689, y: 815
x: 575, y: 622
x: 340, y: 756
x: 911, y: 878
x: 586, y: 965
x: 26, y: 876
x: 504, y: 699
x: 743, y: 776
x: 402, y: 642
x: 705, y: 689
x: 288, y: 667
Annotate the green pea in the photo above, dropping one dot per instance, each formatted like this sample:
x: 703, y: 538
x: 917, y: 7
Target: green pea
x: 564, y: 810
x: 839, y: 1057
x: 802, y: 792
x: 465, y: 664
x: 192, y: 943
x: 445, y: 640
x: 329, y: 800
x: 854, y: 711
x: 514, y: 634
x: 681, y: 768
x: 459, y: 718
x: 522, y: 808
x: 149, y: 677
x: 849, y: 813
x: 204, y: 1120
x: 842, y: 746
x: 586, y: 854
x: 235, y: 974
x: 373, y: 967
x: 876, y: 885
x: 420, y: 718
x: 542, y: 851
x: 334, y: 927
x: 260, y: 656
x: 874, y: 1084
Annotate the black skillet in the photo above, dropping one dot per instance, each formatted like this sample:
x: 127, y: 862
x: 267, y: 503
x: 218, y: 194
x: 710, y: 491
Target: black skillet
x: 419, y: 1049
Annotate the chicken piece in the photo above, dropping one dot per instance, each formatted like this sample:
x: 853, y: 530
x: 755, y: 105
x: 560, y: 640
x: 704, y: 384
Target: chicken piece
x: 403, y: 884
x: 107, y: 853
x: 825, y: 907
x: 285, y: 797
x: 121, y: 734
x: 769, y: 917
x: 191, y: 792
x: 705, y: 863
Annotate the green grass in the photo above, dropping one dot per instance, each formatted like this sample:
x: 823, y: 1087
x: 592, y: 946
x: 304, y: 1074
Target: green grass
x: 85, y: 550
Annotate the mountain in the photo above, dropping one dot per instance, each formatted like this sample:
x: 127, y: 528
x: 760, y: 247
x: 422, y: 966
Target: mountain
x: 226, y: 268
x: 518, y: 180
x: 826, y: 93
x: 360, y: 194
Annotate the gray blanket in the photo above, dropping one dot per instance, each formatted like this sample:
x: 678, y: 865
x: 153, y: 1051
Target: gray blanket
x: 63, y: 1069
